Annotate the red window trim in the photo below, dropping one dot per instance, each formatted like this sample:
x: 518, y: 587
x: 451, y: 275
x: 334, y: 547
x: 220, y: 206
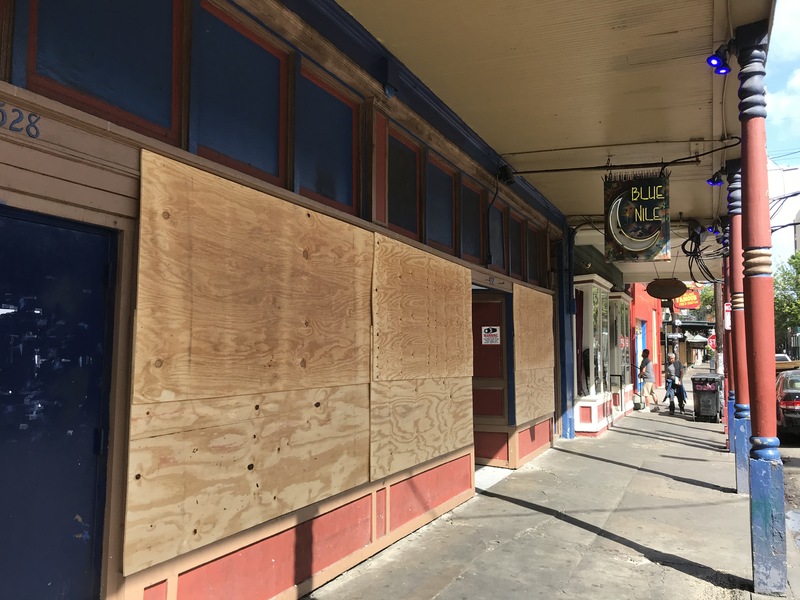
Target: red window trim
x: 417, y: 149
x: 283, y: 58
x: 440, y: 164
x: 465, y: 182
x: 83, y: 101
x: 320, y: 80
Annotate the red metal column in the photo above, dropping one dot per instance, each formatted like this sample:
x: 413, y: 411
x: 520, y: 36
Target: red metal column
x: 767, y: 517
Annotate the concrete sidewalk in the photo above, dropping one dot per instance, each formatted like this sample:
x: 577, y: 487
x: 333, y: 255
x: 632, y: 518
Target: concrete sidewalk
x: 647, y: 511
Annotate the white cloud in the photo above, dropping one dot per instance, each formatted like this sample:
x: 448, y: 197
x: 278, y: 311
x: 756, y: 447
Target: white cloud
x: 783, y: 106
x: 784, y: 43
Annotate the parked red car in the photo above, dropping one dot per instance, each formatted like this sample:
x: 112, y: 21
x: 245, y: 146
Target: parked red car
x: 787, y: 392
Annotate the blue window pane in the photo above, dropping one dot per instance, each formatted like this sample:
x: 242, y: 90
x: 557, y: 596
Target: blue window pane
x: 515, y: 247
x: 324, y: 140
x: 439, y: 206
x: 236, y: 104
x: 119, y: 52
x: 497, y: 232
x: 402, y: 185
x: 534, y: 255
x: 470, y: 222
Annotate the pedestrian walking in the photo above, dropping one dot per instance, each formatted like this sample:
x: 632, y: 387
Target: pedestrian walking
x: 671, y: 382
x: 648, y: 378
x: 680, y: 390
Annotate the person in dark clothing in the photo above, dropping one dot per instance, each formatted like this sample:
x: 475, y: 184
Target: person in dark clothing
x: 680, y: 390
x: 671, y: 383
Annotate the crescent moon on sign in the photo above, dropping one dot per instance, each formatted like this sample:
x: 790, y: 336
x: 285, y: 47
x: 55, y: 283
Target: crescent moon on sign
x: 620, y: 235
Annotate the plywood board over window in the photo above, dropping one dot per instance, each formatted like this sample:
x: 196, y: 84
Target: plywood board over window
x: 251, y: 364
x: 421, y: 399
x: 534, y: 354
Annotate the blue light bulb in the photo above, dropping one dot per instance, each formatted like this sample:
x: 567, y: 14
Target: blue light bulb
x: 722, y: 69
x: 714, y: 60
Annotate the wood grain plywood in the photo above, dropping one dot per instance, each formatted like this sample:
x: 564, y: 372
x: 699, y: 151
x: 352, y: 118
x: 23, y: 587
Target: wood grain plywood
x: 191, y: 488
x: 533, y: 329
x: 422, y: 314
x: 535, y: 394
x: 534, y: 354
x: 242, y: 293
x: 413, y: 421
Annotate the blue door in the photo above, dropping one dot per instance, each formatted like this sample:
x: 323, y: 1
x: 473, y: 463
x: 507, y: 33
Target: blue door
x: 55, y: 308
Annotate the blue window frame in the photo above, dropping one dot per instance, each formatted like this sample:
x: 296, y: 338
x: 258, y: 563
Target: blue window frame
x: 237, y: 108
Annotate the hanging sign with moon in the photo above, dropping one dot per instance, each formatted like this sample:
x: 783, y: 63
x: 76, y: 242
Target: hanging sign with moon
x: 637, y: 217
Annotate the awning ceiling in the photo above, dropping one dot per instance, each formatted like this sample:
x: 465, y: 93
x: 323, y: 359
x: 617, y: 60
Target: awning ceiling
x: 563, y: 84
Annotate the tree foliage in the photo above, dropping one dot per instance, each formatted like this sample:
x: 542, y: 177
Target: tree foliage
x: 787, y: 299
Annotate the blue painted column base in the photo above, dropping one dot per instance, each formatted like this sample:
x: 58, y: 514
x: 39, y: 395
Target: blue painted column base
x: 741, y: 442
x: 767, y: 517
x: 731, y: 401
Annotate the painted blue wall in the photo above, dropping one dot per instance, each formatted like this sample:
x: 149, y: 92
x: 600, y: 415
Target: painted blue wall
x: 565, y: 308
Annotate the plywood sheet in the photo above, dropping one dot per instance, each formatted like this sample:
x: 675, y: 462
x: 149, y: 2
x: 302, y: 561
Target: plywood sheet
x: 534, y: 393
x: 533, y: 329
x: 534, y: 354
x: 422, y: 314
x: 189, y: 488
x: 413, y: 421
x: 242, y: 293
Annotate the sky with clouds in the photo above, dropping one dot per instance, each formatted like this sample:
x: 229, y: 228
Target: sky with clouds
x: 783, y: 122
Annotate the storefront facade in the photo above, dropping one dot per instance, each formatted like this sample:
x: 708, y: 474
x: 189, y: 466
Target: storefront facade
x: 286, y: 272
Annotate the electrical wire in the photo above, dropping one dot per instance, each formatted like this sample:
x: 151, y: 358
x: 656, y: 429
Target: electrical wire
x: 697, y: 255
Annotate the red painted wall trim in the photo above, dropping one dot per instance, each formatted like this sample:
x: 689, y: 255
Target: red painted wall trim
x: 380, y: 513
x: 156, y: 592
x: 586, y: 414
x: 277, y: 563
x: 418, y: 494
x: 535, y: 437
x: 491, y: 445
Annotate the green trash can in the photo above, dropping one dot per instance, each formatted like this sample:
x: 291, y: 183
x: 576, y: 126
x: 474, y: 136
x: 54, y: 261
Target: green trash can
x: 708, y: 391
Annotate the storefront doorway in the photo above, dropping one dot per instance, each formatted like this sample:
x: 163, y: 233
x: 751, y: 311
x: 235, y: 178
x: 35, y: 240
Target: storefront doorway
x: 55, y: 308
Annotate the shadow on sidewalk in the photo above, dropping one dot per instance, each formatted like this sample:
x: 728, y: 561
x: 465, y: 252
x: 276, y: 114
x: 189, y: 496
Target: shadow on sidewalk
x: 679, y: 563
x: 665, y: 436
x: 687, y: 480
